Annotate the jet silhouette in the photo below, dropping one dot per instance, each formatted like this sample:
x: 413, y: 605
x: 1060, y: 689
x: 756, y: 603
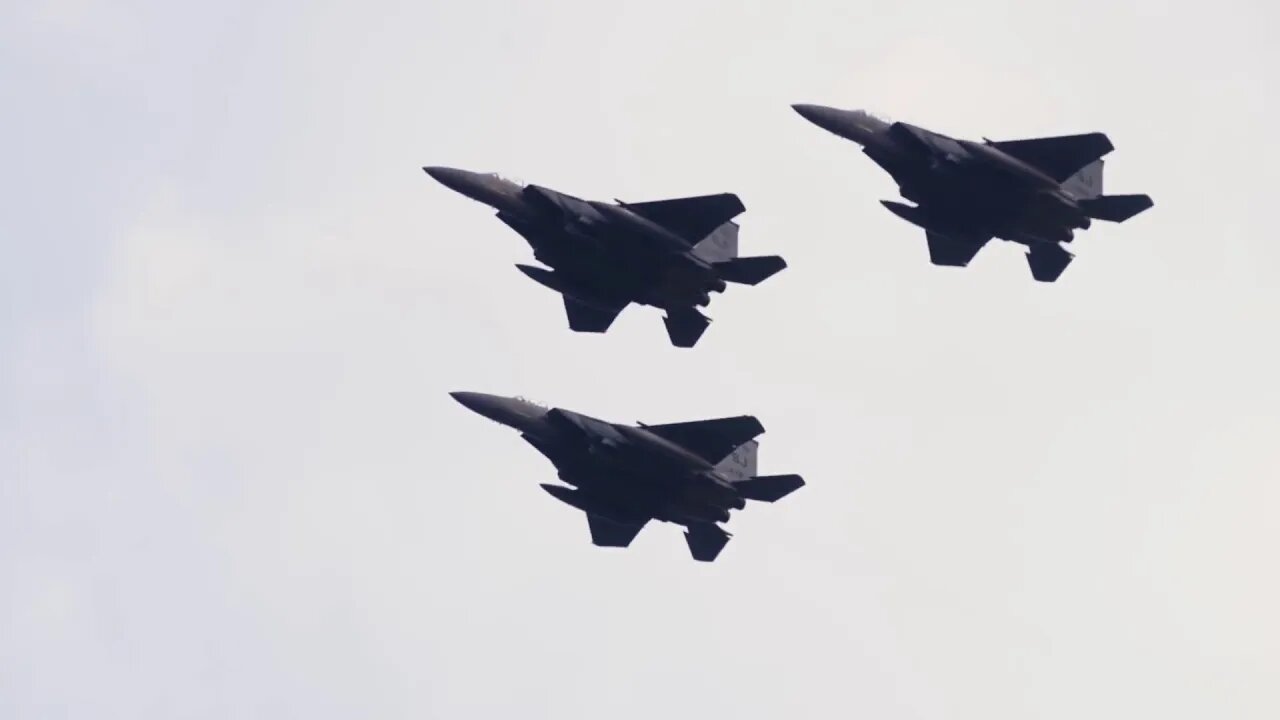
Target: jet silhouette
x: 1036, y: 192
x: 670, y: 254
x: 623, y: 476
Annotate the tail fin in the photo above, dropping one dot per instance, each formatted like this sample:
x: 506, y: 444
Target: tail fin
x: 740, y: 465
x: 720, y: 245
x: 1087, y: 183
x: 750, y: 270
x: 685, y: 326
x: 769, y: 488
x: 1115, y: 208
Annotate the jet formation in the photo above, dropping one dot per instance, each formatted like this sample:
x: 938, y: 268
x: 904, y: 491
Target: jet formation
x: 1035, y: 192
x: 670, y: 254
x: 674, y: 254
x: 623, y: 476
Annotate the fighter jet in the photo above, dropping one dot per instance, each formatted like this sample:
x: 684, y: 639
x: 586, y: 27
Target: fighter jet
x: 670, y: 254
x: 623, y: 476
x: 1036, y: 192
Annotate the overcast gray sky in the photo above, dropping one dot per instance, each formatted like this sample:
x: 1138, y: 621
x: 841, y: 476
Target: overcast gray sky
x: 232, y: 484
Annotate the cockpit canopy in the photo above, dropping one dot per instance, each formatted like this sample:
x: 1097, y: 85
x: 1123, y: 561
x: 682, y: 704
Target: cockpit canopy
x: 522, y: 398
x: 507, y: 178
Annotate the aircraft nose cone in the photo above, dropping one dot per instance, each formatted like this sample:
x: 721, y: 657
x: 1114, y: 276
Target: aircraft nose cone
x: 808, y: 112
x: 856, y: 125
x: 451, y: 178
x: 818, y: 114
x: 460, y: 181
x: 507, y: 411
x: 824, y: 117
x: 473, y: 401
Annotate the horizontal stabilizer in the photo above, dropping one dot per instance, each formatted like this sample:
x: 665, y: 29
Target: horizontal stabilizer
x: 1048, y: 261
x: 1115, y: 208
x: 1058, y: 157
x: 693, y: 218
x: 750, y: 270
x: 705, y: 541
x: 951, y: 252
x: 588, y: 318
x: 685, y: 327
x: 769, y: 488
x: 712, y: 439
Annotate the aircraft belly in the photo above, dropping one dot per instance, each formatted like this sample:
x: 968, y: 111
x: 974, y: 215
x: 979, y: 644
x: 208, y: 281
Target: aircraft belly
x: 591, y: 276
x: 670, y: 485
x: 608, y: 264
x: 619, y: 487
x: 1055, y: 209
x: 681, y: 285
x: 949, y: 217
x: 684, y: 511
x: 1043, y: 219
x: 991, y: 209
x: 705, y: 491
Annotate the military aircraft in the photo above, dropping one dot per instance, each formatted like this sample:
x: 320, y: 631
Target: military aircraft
x: 670, y: 254
x: 623, y: 476
x: 1035, y: 192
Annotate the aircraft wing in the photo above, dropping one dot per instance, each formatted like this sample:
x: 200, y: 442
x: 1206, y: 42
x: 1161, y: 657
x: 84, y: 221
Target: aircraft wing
x: 606, y: 533
x: 954, y: 251
x: 711, y: 439
x: 589, y: 318
x: 693, y: 218
x: 1059, y: 157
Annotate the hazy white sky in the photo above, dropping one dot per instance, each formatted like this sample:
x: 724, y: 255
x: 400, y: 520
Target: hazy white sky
x: 232, y: 484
